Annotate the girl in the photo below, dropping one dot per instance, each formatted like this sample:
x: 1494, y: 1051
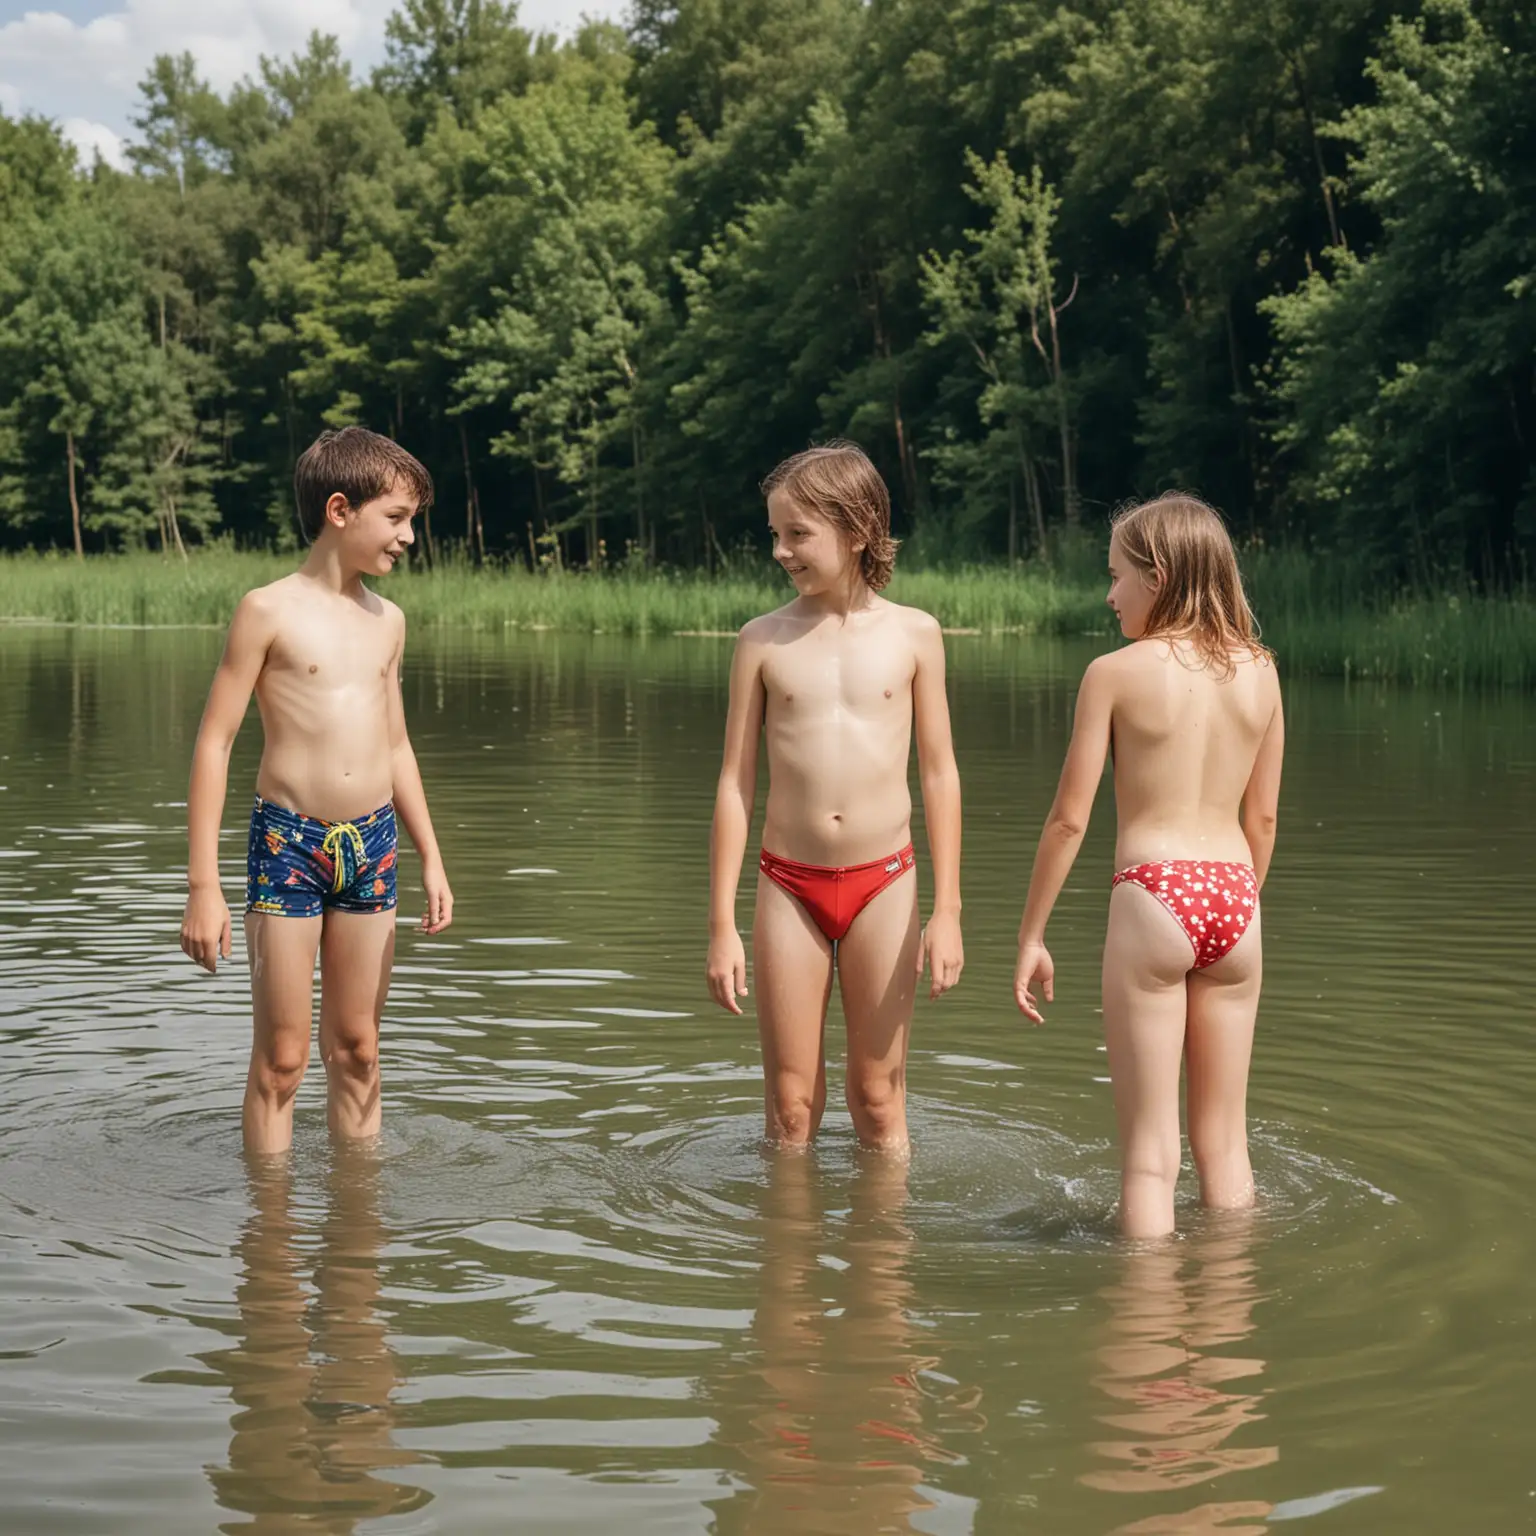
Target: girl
x: 1190, y: 712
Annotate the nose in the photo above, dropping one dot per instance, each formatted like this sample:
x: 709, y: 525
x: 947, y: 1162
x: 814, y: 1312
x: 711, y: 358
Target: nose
x: 408, y: 535
x: 780, y: 551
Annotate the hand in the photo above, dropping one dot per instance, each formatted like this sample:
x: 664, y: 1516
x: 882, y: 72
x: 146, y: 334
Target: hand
x: 726, y: 970
x: 1035, y: 965
x: 942, y: 951
x: 439, y: 911
x: 206, y: 929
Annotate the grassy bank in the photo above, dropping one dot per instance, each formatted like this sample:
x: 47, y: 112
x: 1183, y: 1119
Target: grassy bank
x: 1321, y: 616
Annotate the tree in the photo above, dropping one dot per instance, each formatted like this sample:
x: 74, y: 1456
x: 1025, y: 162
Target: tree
x: 72, y: 349
x: 566, y: 245
x: 1404, y: 377
x: 994, y: 298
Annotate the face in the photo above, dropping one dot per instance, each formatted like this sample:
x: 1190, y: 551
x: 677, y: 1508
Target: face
x: 379, y: 532
x: 1131, y: 592
x: 816, y: 556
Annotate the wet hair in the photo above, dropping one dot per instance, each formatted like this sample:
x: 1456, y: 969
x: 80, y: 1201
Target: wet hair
x: 359, y: 464
x: 837, y: 482
x: 1181, y: 542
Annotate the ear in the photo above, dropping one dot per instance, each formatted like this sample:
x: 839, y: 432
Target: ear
x: 336, y: 508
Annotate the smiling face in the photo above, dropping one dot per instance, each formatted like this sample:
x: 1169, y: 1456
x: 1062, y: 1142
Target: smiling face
x: 816, y: 556
x: 1132, y: 591
x: 376, y: 534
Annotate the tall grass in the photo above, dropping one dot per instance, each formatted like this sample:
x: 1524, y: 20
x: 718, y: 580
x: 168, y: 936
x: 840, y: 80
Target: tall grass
x: 1323, y: 616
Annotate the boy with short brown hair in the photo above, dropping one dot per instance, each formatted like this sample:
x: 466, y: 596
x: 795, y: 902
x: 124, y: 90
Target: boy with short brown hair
x: 322, y: 653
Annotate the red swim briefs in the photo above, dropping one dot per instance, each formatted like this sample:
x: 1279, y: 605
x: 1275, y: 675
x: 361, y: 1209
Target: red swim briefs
x: 835, y: 896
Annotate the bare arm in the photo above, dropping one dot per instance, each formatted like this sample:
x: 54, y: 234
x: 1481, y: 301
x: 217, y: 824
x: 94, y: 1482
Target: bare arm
x: 205, y: 927
x: 1062, y: 835
x: 1261, y: 799
x: 411, y: 800
x: 941, y: 947
x: 737, y: 789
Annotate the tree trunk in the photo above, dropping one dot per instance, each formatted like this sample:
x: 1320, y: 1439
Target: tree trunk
x: 171, y: 518
x: 634, y: 459
x: 426, y: 536
x: 74, y: 499
x: 1036, y: 505
x: 1305, y: 97
x: 1013, y: 518
x: 1069, y: 498
x: 474, y: 534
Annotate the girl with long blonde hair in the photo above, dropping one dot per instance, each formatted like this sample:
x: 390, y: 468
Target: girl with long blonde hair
x: 1190, y: 713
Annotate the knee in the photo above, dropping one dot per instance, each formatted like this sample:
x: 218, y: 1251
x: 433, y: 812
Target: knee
x: 1217, y: 1144
x: 878, y: 1106
x: 354, y: 1051
x: 793, y: 1110
x: 1156, y: 1158
x: 278, y: 1067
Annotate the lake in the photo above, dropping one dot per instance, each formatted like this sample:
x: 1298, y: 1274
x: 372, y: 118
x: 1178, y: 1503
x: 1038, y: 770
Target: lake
x: 569, y: 1293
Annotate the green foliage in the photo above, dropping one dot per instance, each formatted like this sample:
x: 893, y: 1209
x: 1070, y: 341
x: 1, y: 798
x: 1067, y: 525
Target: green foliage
x: 1036, y: 257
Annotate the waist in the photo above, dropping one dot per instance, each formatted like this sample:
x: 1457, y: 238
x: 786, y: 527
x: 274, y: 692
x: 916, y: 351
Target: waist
x: 834, y: 837
x: 891, y: 863
x: 1224, y: 844
x: 270, y: 811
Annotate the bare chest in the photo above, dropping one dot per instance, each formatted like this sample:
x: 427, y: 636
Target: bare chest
x: 811, y: 678
x: 324, y: 655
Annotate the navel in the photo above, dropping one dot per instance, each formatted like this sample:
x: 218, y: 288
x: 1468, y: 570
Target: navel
x: 314, y: 666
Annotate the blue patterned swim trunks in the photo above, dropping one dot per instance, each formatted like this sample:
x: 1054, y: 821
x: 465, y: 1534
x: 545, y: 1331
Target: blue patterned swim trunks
x: 296, y: 866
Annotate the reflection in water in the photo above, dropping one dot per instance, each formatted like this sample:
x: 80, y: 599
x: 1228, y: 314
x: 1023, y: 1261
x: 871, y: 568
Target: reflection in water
x: 313, y: 1374
x: 837, y: 1442
x: 1172, y: 1304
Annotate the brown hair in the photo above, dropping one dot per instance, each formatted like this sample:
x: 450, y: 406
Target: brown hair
x: 1183, y: 543
x: 837, y: 482
x: 359, y: 464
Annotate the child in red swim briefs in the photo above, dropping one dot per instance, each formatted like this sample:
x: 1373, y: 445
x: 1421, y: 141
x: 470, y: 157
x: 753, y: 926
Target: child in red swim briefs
x: 1192, y: 711
x: 835, y: 680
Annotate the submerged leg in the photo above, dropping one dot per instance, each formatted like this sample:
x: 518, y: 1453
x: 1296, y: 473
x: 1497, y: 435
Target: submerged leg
x: 357, y: 957
x: 1146, y: 960
x: 1223, y: 1005
x: 792, y: 974
x: 282, y: 956
x: 876, y: 968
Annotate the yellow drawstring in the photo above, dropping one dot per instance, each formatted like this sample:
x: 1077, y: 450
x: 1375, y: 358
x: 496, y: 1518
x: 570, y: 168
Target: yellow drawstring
x: 333, y: 845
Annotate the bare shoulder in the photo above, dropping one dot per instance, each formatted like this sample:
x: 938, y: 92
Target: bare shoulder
x: 920, y: 627
x: 263, y: 607
x: 766, y: 628
x: 1107, y: 672
x: 391, y: 613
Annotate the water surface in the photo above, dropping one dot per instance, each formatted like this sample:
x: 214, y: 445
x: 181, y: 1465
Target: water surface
x: 568, y: 1293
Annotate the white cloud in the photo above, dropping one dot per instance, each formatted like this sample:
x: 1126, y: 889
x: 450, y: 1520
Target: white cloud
x: 91, y: 139
x: 86, y: 73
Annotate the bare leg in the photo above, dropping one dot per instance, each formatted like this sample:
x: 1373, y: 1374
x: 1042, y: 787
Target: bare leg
x: 282, y: 956
x: 356, y: 956
x: 876, y: 963
x: 792, y: 970
x: 1223, y: 1003
x: 1146, y: 960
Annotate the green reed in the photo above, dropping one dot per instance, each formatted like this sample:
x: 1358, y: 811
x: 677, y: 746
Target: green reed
x: 1323, y: 616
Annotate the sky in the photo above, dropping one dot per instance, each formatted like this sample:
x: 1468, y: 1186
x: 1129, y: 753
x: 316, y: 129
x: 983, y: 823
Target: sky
x: 80, y: 61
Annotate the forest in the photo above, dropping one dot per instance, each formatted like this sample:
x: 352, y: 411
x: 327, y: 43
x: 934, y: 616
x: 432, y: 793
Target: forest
x: 1037, y: 256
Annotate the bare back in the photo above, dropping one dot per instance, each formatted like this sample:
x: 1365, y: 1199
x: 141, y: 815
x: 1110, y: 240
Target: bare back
x: 324, y: 692
x: 1185, y: 741
x: 837, y: 717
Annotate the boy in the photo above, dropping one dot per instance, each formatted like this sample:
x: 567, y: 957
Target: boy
x: 322, y: 653
x: 836, y: 679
